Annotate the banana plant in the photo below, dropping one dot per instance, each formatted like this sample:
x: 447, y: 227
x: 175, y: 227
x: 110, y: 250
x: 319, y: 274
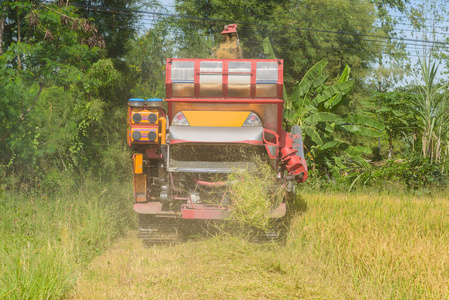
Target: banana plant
x: 315, y: 107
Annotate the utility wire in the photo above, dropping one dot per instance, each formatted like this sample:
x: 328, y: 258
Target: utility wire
x: 260, y: 25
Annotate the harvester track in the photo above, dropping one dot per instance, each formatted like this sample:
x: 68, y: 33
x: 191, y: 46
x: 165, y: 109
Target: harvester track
x: 158, y: 231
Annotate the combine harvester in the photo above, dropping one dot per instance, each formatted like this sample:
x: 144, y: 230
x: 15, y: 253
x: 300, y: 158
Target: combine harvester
x: 220, y: 113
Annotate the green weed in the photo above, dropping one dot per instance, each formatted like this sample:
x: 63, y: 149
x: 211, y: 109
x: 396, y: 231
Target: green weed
x: 46, y: 240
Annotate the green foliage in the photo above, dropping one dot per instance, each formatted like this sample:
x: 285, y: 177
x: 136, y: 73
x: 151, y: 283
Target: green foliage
x: 318, y: 108
x: 101, y: 80
x: 51, y: 54
x: 394, y: 110
x: 117, y: 28
x: 431, y: 108
x: 146, y: 58
x: 414, y: 174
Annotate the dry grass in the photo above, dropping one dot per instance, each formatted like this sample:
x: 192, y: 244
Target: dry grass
x: 356, y: 246
x: 228, y: 49
x: 253, y: 196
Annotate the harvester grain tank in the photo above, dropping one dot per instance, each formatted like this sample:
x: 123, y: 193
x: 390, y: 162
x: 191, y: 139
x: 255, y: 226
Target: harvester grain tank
x: 219, y: 114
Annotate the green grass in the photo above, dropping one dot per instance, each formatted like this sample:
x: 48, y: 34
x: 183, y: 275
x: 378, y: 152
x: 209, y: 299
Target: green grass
x: 45, y: 241
x: 357, y: 246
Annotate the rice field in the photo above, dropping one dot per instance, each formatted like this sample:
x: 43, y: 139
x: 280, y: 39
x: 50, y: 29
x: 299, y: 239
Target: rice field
x: 356, y: 246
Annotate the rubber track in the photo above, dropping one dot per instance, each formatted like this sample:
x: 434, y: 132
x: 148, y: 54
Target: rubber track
x: 157, y: 231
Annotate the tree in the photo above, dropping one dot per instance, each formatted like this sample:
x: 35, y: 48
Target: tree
x: 3, y: 13
x: 392, y: 62
x: 209, y: 17
x: 394, y: 111
x: 147, y: 57
x: 114, y: 20
x: 55, y: 48
x: 301, y: 32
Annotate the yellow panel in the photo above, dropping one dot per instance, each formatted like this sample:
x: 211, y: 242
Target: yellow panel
x: 216, y: 118
x: 145, y: 116
x: 144, y: 131
x: 138, y: 163
x: 268, y: 113
x: 140, y: 187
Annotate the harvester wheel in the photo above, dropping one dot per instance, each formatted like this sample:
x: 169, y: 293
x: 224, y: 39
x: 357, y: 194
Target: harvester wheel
x: 157, y: 231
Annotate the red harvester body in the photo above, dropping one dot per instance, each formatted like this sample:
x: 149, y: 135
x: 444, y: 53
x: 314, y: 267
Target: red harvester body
x: 218, y: 112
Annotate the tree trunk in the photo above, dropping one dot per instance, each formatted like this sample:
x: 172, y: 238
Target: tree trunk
x: 390, y: 147
x: 19, y: 59
x: 2, y: 27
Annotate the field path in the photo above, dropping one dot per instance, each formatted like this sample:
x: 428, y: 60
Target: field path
x: 212, y: 268
x: 343, y: 247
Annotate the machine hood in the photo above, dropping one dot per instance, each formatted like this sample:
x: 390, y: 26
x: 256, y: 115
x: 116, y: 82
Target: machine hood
x: 181, y: 134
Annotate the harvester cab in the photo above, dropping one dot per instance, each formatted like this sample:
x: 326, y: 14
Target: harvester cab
x: 220, y: 113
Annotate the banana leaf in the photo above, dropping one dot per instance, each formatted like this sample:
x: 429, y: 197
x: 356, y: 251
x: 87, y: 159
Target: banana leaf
x: 339, y: 88
x: 323, y: 117
x: 290, y: 115
x: 363, y: 131
x: 313, y: 135
x: 330, y: 127
x: 345, y: 75
x: 268, y: 49
x: 315, y: 72
x: 364, y: 120
x: 328, y: 105
x: 329, y: 145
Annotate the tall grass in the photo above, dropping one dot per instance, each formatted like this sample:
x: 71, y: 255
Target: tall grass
x: 45, y: 240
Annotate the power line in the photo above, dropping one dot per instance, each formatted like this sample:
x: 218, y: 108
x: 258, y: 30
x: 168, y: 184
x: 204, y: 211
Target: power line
x: 407, y: 46
x: 356, y: 12
x: 116, y: 10
x: 194, y: 19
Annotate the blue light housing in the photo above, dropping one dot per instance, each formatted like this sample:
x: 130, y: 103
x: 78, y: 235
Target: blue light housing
x: 154, y: 102
x: 136, y: 102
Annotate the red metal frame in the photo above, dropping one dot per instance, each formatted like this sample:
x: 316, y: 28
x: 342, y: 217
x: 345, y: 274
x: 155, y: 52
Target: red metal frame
x: 225, y: 72
x: 252, y: 99
x: 199, y: 211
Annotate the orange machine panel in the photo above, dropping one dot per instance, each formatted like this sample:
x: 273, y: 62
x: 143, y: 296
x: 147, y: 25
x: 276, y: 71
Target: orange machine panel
x: 140, y: 187
x: 144, y: 135
x: 144, y: 117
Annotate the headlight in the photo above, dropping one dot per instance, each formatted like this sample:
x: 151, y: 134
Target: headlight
x: 152, y: 136
x: 152, y: 118
x: 136, y: 135
x: 180, y: 119
x: 137, y: 118
x: 253, y: 120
